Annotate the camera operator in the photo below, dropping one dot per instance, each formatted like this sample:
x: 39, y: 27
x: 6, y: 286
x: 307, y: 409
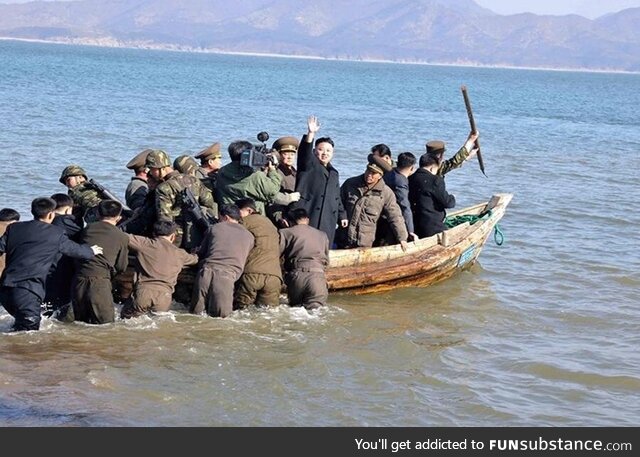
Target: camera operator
x: 236, y: 181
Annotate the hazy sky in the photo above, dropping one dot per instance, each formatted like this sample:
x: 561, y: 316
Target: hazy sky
x: 587, y: 8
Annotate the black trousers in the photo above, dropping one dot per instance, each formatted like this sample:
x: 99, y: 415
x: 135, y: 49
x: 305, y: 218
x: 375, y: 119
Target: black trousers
x: 93, y: 300
x: 23, y: 305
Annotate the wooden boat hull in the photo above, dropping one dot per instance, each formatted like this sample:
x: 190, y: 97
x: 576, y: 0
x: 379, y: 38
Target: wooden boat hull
x: 369, y: 270
x: 427, y: 261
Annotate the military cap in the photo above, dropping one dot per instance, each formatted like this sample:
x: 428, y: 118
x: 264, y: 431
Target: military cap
x: 72, y: 170
x: 435, y: 147
x: 157, y: 158
x: 210, y: 153
x: 286, y: 144
x: 185, y: 164
x: 139, y: 160
x: 379, y: 163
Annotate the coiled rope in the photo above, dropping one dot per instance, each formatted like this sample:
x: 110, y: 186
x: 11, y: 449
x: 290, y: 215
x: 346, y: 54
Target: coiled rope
x: 452, y: 221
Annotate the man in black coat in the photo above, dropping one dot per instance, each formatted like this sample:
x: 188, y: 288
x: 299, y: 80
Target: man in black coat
x: 427, y: 193
x: 31, y: 248
x: 318, y: 182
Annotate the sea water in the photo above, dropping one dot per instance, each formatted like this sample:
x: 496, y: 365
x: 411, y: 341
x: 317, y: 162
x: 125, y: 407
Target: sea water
x: 543, y: 330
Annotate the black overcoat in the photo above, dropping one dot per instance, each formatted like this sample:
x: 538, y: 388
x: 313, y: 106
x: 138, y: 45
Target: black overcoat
x: 319, y: 188
x: 429, y: 201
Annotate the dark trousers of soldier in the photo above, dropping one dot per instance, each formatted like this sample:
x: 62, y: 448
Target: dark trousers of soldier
x: 307, y: 288
x: 259, y: 289
x: 213, y: 292
x: 23, y: 305
x: 93, y: 300
x: 147, y: 298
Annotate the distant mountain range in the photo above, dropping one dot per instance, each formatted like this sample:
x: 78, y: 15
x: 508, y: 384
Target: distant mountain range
x: 432, y: 31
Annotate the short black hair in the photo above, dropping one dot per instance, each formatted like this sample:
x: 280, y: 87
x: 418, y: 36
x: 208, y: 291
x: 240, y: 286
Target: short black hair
x: 164, y: 228
x: 9, y: 215
x: 62, y: 200
x: 109, y: 209
x: 42, y: 206
x: 230, y: 210
x: 298, y: 214
x: 246, y: 203
x: 324, y: 139
x: 406, y: 160
x: 237, y: 148
x: 382, y: 149
x: 427, y: 159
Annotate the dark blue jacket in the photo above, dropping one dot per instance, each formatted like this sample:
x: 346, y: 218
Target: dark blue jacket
x: 31, y: 247
x: 399, y: 184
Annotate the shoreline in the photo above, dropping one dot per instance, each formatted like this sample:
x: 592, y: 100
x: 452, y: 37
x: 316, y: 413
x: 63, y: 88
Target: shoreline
x: 114, y: 43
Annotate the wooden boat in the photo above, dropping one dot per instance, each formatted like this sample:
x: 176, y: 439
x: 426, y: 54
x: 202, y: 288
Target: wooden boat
x: 426, y: 262
x: 369, y: 270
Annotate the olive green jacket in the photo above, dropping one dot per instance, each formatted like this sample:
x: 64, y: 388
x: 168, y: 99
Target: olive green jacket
x: 236, y: 181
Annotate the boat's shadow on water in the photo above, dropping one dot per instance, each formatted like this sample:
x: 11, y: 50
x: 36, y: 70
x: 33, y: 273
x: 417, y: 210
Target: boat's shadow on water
x: 439, y: 316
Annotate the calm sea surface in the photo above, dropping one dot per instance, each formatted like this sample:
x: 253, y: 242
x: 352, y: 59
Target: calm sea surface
x: 544, y: 330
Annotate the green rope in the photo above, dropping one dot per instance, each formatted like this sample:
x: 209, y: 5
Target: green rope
x: 452, y: 221
x: 498, y: 235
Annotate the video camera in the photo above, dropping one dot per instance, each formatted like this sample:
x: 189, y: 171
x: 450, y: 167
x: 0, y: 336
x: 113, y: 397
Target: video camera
x: 259, y: 156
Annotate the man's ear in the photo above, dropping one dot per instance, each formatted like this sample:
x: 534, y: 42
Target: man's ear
x: 172, y: 237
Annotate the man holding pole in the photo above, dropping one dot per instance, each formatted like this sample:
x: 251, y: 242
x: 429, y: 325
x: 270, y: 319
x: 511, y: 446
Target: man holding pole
x: 466, y: 152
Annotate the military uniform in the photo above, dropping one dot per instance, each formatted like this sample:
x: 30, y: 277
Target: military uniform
x: 282, y: 145
x: 141, y: 223
x: 436, y: 147
x: 305, y: 250
x: 223, y: 255
x: 159, y: 263
x: 185, y: 164
x: 85, y: 196
x: 261, y: 280
x: 277, y: 210
x: 138, y: 188
x: 170, y: 205
x: 92, y: 296
x: 208, y: 178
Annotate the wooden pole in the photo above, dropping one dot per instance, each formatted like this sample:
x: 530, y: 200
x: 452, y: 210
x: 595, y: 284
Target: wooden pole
x: 472, y: 122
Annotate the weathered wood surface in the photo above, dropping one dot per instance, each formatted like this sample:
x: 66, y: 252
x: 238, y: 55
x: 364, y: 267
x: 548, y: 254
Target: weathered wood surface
x: 368, y: 270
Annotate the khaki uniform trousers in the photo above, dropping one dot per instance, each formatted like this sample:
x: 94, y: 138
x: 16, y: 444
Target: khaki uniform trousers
x: 259, y: 289
x: 148, y: 298
x: 307, y: 288
x: 213, y: 292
